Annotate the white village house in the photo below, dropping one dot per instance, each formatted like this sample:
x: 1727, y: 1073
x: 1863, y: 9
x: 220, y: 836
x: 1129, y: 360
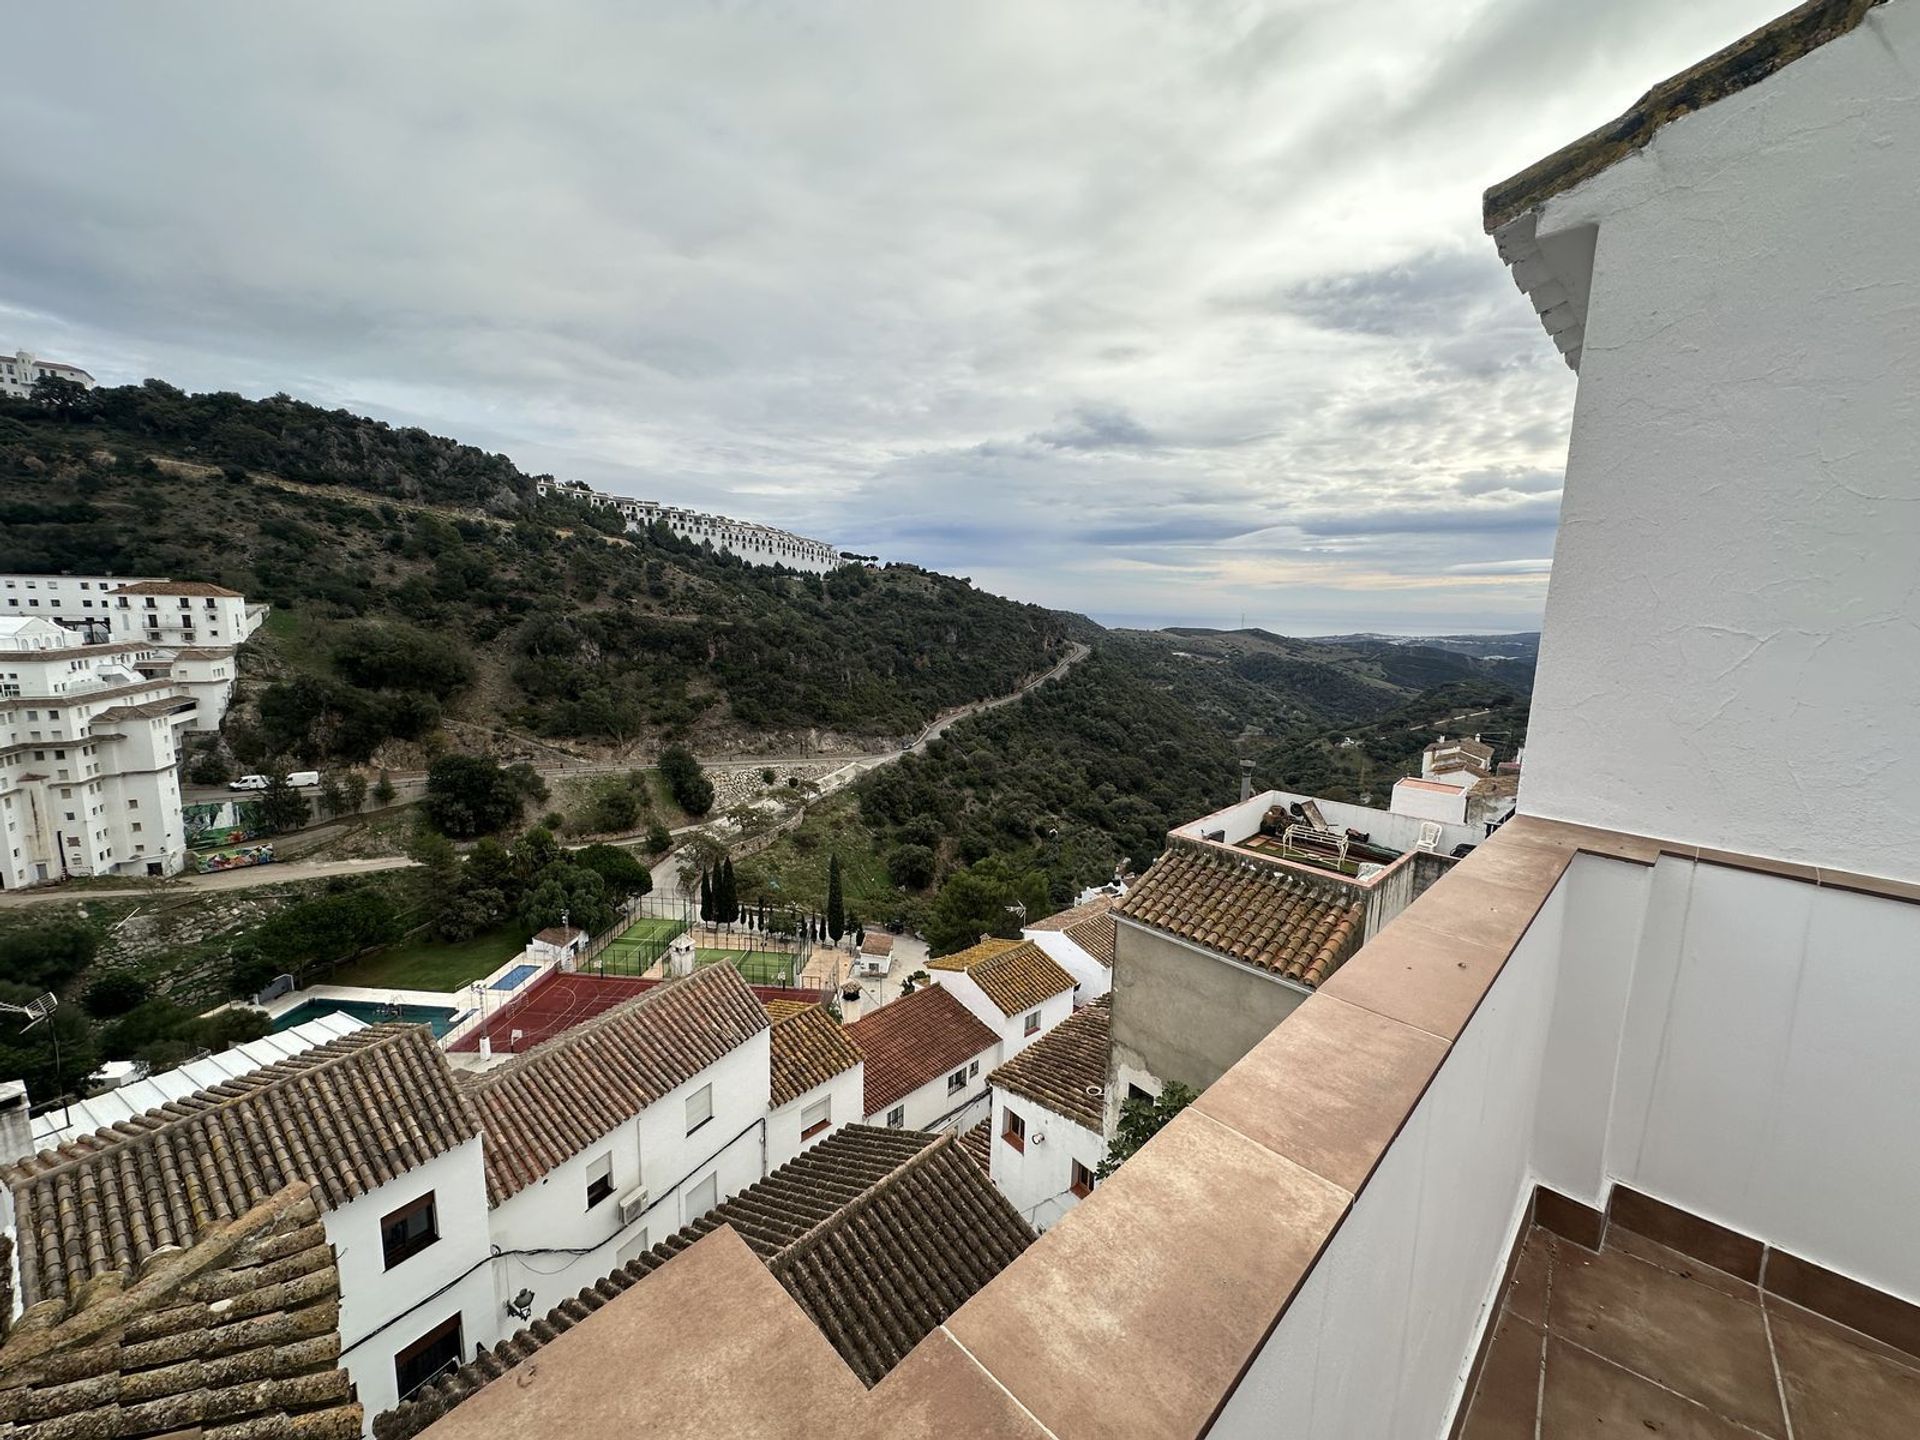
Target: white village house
x: 1013, y: 987
x: 1049, y: 1116
x: 1080, y: 941
x: 926, y: 1058
x: 20, y: 371
x: 818, y: 1079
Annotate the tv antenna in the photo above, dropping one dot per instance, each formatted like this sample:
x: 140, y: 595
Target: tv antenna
x: 36, y: 1010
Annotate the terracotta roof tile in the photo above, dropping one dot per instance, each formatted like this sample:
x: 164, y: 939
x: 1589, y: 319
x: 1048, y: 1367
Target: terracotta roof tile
x: 1095, y: 936
x: 876, y: 942
x: 1065, y: 1069
x: 809, y: 1049
x: 971, y: 956
x: 778, y: 1010
x: 348, y: 1116
x: 1068, y: 918
x: 978, y: 1143
x: 1273, y: 916
x: 913, y: 1040
x: 558, y: 1098
x: 237, y: 1335
x: 879, y: 1235
x: 179, y: 587
x: 1021, y: 978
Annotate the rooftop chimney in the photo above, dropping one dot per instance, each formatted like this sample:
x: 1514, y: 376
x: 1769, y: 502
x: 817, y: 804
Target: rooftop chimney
x: 16, y: 1131
x: 1246, y: 779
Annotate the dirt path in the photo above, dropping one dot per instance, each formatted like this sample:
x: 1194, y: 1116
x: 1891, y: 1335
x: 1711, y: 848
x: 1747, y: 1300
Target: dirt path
x: 246, y: 879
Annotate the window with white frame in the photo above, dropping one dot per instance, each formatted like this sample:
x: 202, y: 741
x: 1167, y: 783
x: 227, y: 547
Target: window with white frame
x: 816, y: 1117
x: 897, y: 1117
x: 699, y: 1108
x: 599, y: 1179
x: 703, y: 1197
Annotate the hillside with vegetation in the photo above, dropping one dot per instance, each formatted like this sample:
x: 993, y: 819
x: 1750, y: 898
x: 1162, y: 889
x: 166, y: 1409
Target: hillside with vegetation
x: 424, y: 592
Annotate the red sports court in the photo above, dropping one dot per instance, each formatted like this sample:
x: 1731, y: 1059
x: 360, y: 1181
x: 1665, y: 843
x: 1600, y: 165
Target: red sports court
x: 558, y: 1001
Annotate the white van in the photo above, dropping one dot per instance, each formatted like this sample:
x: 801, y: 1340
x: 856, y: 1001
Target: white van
x: 303, y: 779
x: 248, y: 782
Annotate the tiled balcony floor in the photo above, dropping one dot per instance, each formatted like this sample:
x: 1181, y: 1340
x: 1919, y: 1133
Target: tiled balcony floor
x: 1639, y: 1340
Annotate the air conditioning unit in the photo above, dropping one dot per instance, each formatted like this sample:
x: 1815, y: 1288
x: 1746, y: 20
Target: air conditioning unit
x: 633, y: 1205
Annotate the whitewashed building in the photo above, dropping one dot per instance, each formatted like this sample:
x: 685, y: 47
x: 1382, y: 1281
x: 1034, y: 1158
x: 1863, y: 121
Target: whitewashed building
x: 818, y: 1082
x: 618, y: 1132
x: 1013, y: 987
x: 191, y: 630
x: 926, y: 1058
x: 20, y: 371
x: 373, y: 1120
x: 1080, y: 941
x: 1049, y: 1118
x: 89, y: 759
x: 755, y: 544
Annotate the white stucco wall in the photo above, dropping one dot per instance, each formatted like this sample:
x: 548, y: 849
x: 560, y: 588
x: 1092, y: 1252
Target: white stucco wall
x: 1010, y: 1028
x: 1729, y: 654
x: 1768, y: 1066
x: 533, y: 1227
x: 1038, y: 1179
x: 1379, y: 1338
x: 931, y: 1107
x: 1091, y: 979
x: 383, y: 1311
x: 1413, y: 800
x: 844, y: 1094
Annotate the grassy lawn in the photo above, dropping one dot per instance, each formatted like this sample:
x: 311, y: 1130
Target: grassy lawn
x: 794, y: 868
x: 433, y: 964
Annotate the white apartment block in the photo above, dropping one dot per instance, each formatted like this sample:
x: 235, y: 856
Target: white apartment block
x: 755, y: 544
x: 20, y: 370
x: 189, y: 629
x: 89, y: 765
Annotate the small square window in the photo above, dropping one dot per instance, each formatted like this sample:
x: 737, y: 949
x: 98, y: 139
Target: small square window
x: 1031, y: 1026
x: 703, y: 1197
x: 407, y: 1231
x: 1082, y: 1180
x: 896, y: 1117
x: 957, y: 1081
x: 1014, y: 1130
x: 699, y: 1109
x: 599, y: 1180
x: 816, y: 1118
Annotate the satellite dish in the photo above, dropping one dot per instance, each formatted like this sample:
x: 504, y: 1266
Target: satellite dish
x: 35, y: 1010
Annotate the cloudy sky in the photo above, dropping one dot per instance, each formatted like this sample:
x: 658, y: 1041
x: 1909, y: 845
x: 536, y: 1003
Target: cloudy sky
x: 1170, y: 314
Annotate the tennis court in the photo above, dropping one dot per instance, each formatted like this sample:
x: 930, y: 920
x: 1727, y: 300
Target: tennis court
x: 760, y: 967
x: 559, y: 1000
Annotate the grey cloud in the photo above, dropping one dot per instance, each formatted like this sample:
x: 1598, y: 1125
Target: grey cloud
x: 1095, y: 427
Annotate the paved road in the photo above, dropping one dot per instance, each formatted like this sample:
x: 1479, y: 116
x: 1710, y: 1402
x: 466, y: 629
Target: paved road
x: 223, y: 880
x: 411, y: 785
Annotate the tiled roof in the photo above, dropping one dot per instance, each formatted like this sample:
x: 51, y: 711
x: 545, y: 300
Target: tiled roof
x: 236, y: 1336
x: 917, y: 1038
x: 978, y: 1143
x: 348, y: 1116
x: 971, y: 956
x: 555, y: 1100
x: 1095, y: 936
x: 179, y: 587
x: 878, y: 1234
x: 559, y: 934
x: 876, y: 942
x: 809, y: 1049
x: 1021, y: 978
x: 1273, y: 916
x: 1073, y: 915
x: 778, y: 1010
x: 1065, y: 1069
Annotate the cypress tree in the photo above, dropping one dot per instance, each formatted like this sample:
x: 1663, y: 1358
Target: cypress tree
x: 836, y: 909
x: 706, y: 897
x: 730, y: 897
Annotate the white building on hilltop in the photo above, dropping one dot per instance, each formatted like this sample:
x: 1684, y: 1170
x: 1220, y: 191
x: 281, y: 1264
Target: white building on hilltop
x: 190, y: 630
x: 20, y: 370
x: 755, y: 544
x: 89, y: 765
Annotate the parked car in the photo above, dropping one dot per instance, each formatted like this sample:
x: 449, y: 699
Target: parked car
x: 303, y: 779
x: 248, y: 782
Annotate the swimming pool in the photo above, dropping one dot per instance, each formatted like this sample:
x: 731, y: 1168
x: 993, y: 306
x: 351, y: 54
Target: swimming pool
x: 514, y: 978
x: 374, y: 1012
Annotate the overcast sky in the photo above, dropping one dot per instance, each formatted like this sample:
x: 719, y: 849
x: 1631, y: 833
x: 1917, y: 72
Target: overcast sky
x: 1167, y: 314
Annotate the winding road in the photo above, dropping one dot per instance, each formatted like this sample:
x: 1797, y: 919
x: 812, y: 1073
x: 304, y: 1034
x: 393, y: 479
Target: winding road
x: 410, y: 787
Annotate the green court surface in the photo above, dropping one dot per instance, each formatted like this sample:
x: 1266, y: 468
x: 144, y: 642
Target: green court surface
x: 758, y: 967
x: 654, y: 928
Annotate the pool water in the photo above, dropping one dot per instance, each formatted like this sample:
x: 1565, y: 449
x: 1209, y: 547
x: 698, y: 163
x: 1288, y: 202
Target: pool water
x: 514, y: 977
x: 374, y: 1012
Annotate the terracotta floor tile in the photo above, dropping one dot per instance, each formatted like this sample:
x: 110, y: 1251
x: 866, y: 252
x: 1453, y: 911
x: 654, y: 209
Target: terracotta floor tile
x: 1633, y: 1243
x: 1505, y: 1405
x: 1527, y: 1291
x: 1776, y: 1306
x: 1683, y: 1334
x: 1837, y: 1390
x: 1586, y: 1396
